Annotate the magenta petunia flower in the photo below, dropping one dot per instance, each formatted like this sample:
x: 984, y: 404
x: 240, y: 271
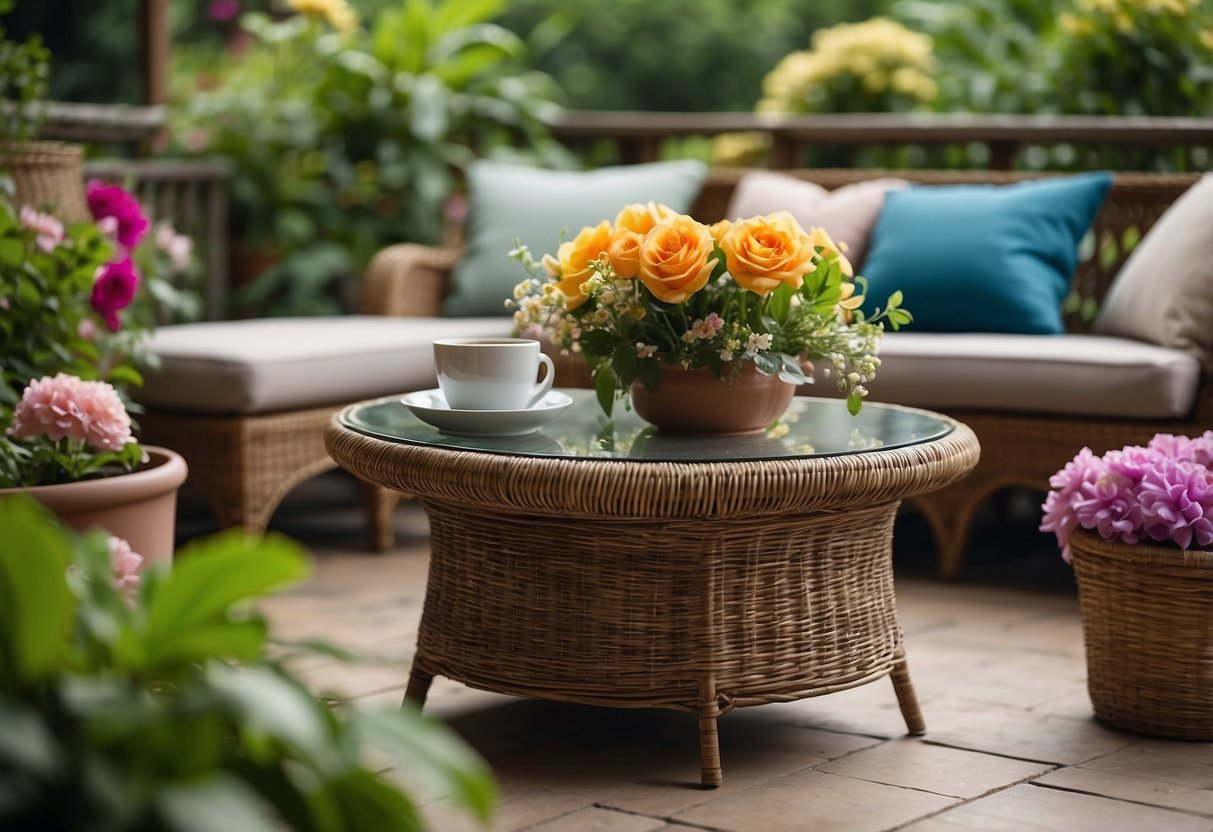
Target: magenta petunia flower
x: 114, y: 289
x: 1177, y: 503
x: 64, y: 406
x: 106, y: 201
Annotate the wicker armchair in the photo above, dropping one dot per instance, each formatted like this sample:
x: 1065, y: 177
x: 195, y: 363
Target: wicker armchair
x: 1018, y: 449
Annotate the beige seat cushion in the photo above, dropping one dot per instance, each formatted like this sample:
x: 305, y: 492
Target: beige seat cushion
x: 273, y: 364
x: 1076, y: 375
x: 1164, y: 292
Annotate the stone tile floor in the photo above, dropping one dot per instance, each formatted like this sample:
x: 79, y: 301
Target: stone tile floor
x: 996, y: 658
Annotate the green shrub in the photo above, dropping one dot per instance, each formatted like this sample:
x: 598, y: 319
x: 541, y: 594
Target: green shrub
x: 160, y: 710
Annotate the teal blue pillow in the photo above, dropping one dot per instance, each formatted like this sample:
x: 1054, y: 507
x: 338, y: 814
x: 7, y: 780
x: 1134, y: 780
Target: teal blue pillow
x: 983, y: 258
x: 507, y: 203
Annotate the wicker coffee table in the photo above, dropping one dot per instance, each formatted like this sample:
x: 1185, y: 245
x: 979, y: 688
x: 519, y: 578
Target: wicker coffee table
x: 608, y: 564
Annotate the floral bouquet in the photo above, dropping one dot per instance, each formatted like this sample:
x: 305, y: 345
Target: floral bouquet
x: 1162, y: 492
x: 657, y: 287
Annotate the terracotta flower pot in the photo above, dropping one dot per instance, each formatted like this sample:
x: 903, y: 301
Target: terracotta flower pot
x: 140, y: 507
x: 695, y: 401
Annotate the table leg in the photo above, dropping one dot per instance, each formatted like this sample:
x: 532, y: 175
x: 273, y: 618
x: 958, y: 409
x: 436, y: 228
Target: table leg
x: 419, y: 684
x: 906, y: 698
x: 710, y: 774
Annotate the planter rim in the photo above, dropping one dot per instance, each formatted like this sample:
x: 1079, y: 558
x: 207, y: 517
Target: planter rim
x: 166, y: 470
x: 1146, y: 551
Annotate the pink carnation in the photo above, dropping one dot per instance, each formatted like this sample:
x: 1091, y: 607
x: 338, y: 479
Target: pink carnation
x: 48, y: 230
x: 67, y: 407
x: 1177, y: 503
x: 125, y: 564
x: 114, y: 289
x: 1059, y: 514
x: 111, y: 201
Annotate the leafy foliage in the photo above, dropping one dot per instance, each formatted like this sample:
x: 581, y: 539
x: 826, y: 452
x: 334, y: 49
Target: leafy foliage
x: 166, y: 714
x: 24, y: 71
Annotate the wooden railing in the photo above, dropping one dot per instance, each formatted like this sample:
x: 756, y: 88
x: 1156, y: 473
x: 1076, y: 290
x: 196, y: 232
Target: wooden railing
x: 996, y: 142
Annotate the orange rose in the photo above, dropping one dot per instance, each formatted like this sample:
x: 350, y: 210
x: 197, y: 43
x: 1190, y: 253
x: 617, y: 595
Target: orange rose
x: 624, y: 253
x: 576, y: 255
x: 765, y: 251
x: 642, y: 217
x: 822, y: 239
x: 719, y: 229
x: 676, y: 259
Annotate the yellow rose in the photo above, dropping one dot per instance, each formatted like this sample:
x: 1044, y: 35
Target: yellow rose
x: 822, y: 240
x: 624, y: 253
x: 676, y: 259
x: 641, y: 218
x: 576, y: 255
x: 766, y: 251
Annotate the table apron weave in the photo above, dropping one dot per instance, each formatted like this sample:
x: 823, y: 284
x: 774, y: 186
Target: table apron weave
x: 646, y: 613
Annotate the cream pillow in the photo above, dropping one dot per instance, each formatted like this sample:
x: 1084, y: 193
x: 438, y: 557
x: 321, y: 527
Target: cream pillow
x: 1164, y: 292
x: 847, y: 213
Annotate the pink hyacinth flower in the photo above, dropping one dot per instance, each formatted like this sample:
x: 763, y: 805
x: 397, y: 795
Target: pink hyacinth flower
x: 1059, y: 515
x: 126, y: 565
x: 48, y: 231
x: 1178, y: 448
x: 1109, y: 506
x: 112, y: 201
x: 1177, y: 504
x: 64, y: 406
x: 1133, y: 460
x: 1202, y: 449
x: 114, y: 289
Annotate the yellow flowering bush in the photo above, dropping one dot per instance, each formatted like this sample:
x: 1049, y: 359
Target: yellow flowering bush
x: 657, y: 287
x: 874, y: 66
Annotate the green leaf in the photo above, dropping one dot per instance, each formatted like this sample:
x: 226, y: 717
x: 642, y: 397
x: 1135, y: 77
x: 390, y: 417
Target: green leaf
x: 366, y: 801
x: 278, y: 707
x: 212, y: 575
x: 221, y: 801
x: 35, y: 602
x: 442, y: 763
x: 648, y: 370
x: 26, y: 742
x: 597, y: 342
x: 604, y: 387
x: 854, y: 404
x: 623, y: 362
x: 12, y: 252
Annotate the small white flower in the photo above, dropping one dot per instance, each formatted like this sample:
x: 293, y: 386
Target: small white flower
x: 726, y: 355
x: 645, y: 350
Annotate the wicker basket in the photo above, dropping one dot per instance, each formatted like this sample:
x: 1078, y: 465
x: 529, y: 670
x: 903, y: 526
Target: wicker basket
x: 1147, y: 615
x: 48, y: 176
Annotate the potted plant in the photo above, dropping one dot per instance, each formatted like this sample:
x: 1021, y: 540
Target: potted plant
x: 78, y: 301
x: 143, y: 698
x: 683, y: 315
x: 1137, y: 524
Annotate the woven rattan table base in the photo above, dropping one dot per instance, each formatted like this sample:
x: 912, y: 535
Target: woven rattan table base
x: 699, y: 587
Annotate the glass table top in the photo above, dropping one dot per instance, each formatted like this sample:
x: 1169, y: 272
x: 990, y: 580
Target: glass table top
x: 811, y: 427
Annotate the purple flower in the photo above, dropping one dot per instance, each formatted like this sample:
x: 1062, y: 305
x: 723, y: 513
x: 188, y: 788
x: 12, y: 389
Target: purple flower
x: 1177, y: 503
x: 1133, y: 460
x: 114, y: 289
x: 1059, y: 515
x: 111, y: 201
x: 1202, y: 449
x: 1109, y: 505
x: 223, y: 10
x: 1178, y: 448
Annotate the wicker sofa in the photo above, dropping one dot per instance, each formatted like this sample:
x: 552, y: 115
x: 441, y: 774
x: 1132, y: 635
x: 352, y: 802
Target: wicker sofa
x: 1021, y: 446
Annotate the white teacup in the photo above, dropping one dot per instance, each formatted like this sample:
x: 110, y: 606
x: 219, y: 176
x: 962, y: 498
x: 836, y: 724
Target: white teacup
x: 491, y: 373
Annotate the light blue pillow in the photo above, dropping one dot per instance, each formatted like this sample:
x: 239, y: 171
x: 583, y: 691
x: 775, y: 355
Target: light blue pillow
x: 507, y: 203
x: 983, y: 258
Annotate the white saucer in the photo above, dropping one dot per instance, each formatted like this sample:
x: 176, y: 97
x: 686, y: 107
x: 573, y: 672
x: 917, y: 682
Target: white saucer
x: 430, y: 407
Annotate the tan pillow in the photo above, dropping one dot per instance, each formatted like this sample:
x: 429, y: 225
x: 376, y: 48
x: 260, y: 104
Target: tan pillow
x: 1164, y: 292
x: 848, y: 213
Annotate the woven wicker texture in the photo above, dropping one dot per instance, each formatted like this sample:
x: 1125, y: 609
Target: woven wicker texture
x: 695, y: 586
x: 1147, y: 618
x: 48, y: 176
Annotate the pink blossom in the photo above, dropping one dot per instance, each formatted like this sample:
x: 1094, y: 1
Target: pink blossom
x: 114, y: 289
x: 48, y: 230
x: 112, y: 201
x: 64, y: 406
x: 706, y: 328
x: 86, y: 329
x: 222, y: 11
x: 125, y: 564
x: 1178, y: 448
x: 1177, y: 503
x: 1059, y: 515
x: 1202, y: 449
x: 178, y: 247
x: 1133, y: 460
x: 1109, y: 505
